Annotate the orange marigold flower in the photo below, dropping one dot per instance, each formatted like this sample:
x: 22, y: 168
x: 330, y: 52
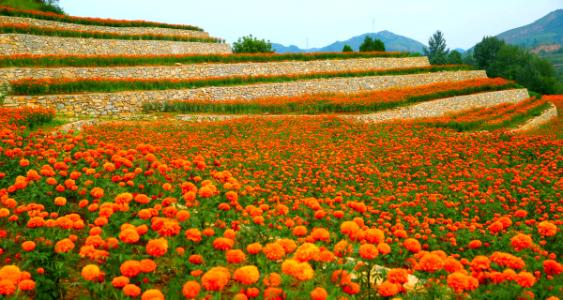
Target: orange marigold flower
x: 480, y: 263
x: 460, y: 282
x: 273, y: 251
x: 300, y: 230
x: 552, y: 267
x: 28, y: 246
x: 60, y: 201
x: 412, y: 245
x: 157, y: 247
x: 318, y: 294
x: 191, y: 289
x: 63, y: 246
x: 193, y: 235
x: 254, y: 248
x: 235, y: 256
x: 384, y: 248
x: 398, y: 275
x: 307, y: 252
x: 273, y: 280
x: 247, y: 275
x: 91, y: 272
x: 368, y: 251
x: 130, y: 268
x: 521, y: 241
x: 152, y: 294
x: 26, y: 285
x: 215, y: 279
x: 349, y: 227
x: 430, y: 262
x: 131, y: 290
x: 7, y: 287
x: 129, y: 236
x: 273, y: 293
x: 547, y: 229
x: 299, y: 270
x: 147, y: 265
x: 120, y: 281
x: 387, y: 289
x: 319, y: 234
x: 475, y: 244
x: 97, y: 193
x: 525, y: 279
x: 195, y: 259
x: 223, y: 244
x: 374, y: 236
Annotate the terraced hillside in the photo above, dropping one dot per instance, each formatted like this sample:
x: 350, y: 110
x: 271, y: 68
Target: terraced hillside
x: 306, y: 176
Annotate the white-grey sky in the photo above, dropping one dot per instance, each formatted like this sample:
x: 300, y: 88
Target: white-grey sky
x: 321, y: 22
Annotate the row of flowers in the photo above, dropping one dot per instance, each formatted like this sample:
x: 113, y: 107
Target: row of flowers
x: 335, y: 103
x: 505, y: 115
x: 28, y: 60
x: 278, y: 209
x: 25, y: 28
x: 13, y: 12
x: 29, y: 86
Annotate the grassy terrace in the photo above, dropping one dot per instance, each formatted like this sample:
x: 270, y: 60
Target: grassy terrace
x: 65, y: 86
x: 505, y: 115
x: 167, y: 60
x: 23, y: 28
x: 340, y: 103
x: 12, y: 12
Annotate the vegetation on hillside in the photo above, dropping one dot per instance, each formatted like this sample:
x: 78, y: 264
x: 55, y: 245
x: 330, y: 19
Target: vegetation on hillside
x: 69, y: 86
x: 167, y: 60
x: 500, y: 59
x: 438, y: 52
x: 369, y: 45
x: 251, y: 44
x: 51, y: 6
x: 23, y: 11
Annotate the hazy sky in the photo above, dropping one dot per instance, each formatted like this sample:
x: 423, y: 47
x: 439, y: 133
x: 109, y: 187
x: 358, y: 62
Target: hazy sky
x: 317, y: 23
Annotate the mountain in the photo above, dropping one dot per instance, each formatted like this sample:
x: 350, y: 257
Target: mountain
x: 393, y: 42
x: 545, y: 31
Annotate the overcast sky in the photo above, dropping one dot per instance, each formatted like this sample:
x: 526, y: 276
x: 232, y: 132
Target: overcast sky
x: 317, y: 23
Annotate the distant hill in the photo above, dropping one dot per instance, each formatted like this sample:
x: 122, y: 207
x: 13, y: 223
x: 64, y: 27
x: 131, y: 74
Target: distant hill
x: 545, y: 31
x: 393, y: 42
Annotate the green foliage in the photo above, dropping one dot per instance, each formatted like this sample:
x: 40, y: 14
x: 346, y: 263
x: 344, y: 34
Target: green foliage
x: 437, y: 51
x: 167, y: 60
x: 347, y: 48
x: 41, y: 87
x: 512, y: 62
x: 454, y: 58
x: 41, y: 5
x: 371, y: 45
x: 486, y: 51
x: 251, y: 44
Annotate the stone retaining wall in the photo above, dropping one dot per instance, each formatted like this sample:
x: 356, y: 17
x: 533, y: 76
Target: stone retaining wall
x: 11, y: 44
x: 97, y: 104
x: 546, y: 116
x: 442, y: 107
x: 216, y: 69
x: 105, y: 29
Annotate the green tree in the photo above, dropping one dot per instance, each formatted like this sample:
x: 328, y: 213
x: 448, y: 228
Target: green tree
x: 251, y: 44
x: 42, y: 5
x: 437, y: 51
x: 486, y: 51
x: 347, y: 48
x: 370, y: 45
x: 528, y: 69
x: 455, y: 58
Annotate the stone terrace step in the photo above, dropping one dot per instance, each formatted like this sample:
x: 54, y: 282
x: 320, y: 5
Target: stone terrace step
x: 216, y: 69
x: 443, y: 107
x: 12, y: 44
x: 97, y: 104
x: 533, y: 123
x: 104, y: 29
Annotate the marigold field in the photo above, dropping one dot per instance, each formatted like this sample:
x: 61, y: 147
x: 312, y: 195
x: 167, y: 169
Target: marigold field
x: 277, y: 208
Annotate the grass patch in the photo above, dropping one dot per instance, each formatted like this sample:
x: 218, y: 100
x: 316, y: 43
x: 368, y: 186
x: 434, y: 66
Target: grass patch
x: 48, y: 86
x: 167, y: 60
